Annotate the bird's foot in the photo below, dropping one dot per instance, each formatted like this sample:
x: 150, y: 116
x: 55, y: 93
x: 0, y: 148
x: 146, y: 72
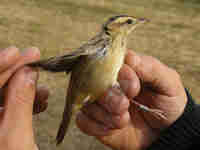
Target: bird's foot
x: 156, y: 112
x: 86, y: 100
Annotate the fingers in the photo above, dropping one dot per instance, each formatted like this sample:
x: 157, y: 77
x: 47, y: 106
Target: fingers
x: 90, y: 127
x: 108, y: 114
x: 40, y: 102
x: 19, y: 98
x: 8, y: 57
x: 10, y: 61
x: 114, y: 101
x: 30, y: 55
x: 157, y: 75
x: 99, y: 114
x: 129, y: 81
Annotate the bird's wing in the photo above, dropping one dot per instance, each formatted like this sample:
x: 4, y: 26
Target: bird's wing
x: 67, y: 114
x: 68, y: 61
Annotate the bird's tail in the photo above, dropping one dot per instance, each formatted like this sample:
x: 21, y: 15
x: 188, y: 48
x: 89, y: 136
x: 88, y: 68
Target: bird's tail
x: 64, y: 126
x: 67, y: 115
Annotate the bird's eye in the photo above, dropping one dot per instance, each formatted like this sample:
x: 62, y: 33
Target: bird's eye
x: 129, y: 21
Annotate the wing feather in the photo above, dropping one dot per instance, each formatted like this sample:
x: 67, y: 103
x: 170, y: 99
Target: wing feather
x: 66, y: 62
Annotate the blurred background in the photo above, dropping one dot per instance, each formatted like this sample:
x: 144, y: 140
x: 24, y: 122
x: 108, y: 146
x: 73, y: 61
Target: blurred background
x: 55, y: 26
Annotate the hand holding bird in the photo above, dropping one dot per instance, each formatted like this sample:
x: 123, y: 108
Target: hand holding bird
x: 118, y: 123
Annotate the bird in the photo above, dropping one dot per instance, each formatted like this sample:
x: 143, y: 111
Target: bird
x: 94, y: 67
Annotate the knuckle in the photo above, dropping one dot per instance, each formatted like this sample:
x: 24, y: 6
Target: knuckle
x: 121, y: 121
x: 85, y: 124
x: 123, y: 104
x: 114, y: 101
x: 119, y: 104
x: 117, y: 121
x: 131, y: 88
x: 25, y: 92
x: 107, y: 98
x: 23, y: 99
x: 135, y: 61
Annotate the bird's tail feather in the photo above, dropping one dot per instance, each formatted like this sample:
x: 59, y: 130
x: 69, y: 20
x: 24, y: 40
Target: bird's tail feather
x: 63, y: 128
x: 67, y: 115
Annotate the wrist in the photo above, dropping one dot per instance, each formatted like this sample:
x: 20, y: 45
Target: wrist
x: 180, y: 134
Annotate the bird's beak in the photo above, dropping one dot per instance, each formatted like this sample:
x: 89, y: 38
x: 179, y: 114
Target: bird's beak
x: 143, y: 20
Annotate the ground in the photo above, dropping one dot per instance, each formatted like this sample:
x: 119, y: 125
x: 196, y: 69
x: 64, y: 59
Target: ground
x: 59, y: 25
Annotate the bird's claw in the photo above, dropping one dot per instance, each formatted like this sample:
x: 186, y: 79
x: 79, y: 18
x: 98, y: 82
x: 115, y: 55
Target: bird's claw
x: 156, y: 112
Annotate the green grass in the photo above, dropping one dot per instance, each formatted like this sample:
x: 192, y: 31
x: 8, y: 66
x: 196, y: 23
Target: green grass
x: 59, y: 25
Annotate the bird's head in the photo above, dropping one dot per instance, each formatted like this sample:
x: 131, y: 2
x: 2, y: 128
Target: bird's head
x: 122, y: 24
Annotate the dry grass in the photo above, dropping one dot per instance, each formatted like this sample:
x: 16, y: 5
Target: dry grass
x: 54, y: 26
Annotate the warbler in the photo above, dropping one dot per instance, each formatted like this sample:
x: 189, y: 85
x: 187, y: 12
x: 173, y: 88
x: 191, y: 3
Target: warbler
x: 94, y: 66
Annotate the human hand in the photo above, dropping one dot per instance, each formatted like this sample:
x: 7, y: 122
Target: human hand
x: 117, y: 122
x: 17, y: 93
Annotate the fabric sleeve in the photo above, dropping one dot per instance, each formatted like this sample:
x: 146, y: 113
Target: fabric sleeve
x: 182, y: 133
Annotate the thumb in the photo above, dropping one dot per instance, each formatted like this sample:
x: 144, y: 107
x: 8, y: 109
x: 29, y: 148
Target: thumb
x: 19, y: 98
x: 155, y: 74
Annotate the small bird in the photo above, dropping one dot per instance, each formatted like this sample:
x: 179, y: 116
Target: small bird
x: 94, y: 66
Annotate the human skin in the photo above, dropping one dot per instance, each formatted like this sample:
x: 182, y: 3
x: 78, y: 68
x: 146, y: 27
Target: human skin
x: 117, y: 122
x: 18, y: 93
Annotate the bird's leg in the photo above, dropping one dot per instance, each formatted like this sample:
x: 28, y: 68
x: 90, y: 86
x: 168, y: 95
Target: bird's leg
x: 86, y: 100
x: 156, y: 112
